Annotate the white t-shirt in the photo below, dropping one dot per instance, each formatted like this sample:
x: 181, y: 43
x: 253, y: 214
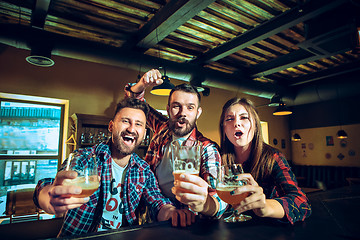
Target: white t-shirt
x: 164, y: 171
x: 114, y: 207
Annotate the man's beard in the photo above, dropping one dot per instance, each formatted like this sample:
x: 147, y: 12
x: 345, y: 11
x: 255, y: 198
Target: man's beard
x: 180, y: 132
x: 121, y: 146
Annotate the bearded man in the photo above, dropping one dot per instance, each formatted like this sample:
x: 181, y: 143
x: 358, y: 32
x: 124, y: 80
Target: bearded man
x: 124, y: 179
x: 194, y: 194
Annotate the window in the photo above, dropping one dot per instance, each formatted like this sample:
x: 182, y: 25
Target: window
x: 265, y: 131
x: 32, y: 131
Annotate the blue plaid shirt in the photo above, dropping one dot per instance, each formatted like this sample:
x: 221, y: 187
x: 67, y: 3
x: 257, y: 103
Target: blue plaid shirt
x: 140, y: 182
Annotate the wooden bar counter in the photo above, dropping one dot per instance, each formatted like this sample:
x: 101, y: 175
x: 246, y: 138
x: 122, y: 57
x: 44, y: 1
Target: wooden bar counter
x: 335, y: 216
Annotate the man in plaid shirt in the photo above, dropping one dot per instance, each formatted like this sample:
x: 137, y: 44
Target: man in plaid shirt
x: 125, y: 179
x: 183, y: 109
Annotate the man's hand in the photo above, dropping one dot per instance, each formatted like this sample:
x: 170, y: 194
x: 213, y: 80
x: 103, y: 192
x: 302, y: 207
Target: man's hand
x: 149, y: 79
x: 192, y: 191
x: 185, y: 216
x: 58, y: 198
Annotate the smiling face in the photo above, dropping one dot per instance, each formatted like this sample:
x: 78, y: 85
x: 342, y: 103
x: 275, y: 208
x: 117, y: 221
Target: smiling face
x: 238, y: 126
x: 183, y: 110
x: 127, y: 130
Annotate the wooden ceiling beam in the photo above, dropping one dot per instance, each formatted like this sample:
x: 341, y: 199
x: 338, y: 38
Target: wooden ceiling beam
x: 326, y: 73
x: 319, y: 47
x: 174, y: 14
x: 284, y: 21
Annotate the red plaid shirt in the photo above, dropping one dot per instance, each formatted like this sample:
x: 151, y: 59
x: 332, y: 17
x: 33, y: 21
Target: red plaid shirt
x: 210, y: 156
x: 282, y: 186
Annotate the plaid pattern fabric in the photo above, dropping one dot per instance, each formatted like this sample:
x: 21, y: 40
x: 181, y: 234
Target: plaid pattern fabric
x: 282, y: 186
x: 210, y: 157
x: 140, y: 183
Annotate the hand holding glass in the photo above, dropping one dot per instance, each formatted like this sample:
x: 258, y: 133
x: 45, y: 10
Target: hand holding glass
x: 186, y: 159
x: 227, y: 182
x: 87, y: 177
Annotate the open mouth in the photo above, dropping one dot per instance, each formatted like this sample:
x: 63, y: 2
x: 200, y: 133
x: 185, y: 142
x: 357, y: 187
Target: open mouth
x: 129, y: 139
x: 238, y: 134
x: 181, y: 122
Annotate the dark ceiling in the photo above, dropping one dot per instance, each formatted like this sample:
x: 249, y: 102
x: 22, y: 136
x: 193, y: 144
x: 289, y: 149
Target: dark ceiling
x: 306, y: 51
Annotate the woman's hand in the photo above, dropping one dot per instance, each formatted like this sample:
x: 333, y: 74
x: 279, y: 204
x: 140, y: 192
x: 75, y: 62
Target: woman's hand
x: 256, y: 201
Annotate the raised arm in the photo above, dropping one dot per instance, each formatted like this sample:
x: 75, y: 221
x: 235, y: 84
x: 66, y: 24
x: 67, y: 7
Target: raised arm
x: 149, y: 79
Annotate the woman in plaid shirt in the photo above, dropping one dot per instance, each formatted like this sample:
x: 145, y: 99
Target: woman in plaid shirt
x: 125, y: 179
x: 275, y: 193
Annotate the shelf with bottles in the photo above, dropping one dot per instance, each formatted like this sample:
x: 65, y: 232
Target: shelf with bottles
x: 93, y: 135
x: 146, y: 141
x: 90, y: 129
x: 143, y: 147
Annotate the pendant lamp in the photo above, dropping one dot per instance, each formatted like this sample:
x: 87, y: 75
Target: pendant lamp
x: 296, y: 137
x: 282, y: 110
x: 163, y: 89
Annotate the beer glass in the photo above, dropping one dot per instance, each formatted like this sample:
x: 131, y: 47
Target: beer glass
x: 186, y: 159
x: 227, y: 182
x: 87, y: 171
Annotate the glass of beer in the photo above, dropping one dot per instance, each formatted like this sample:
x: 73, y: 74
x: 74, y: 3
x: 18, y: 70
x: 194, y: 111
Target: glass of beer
x: 185, y: 159
x: 227, y: 182
x: 87, y: 173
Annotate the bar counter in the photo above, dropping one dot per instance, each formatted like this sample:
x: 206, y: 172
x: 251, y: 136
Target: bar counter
x: 335, y: 216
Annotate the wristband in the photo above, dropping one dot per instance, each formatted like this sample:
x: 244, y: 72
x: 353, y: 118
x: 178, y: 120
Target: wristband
x: 129, y: 89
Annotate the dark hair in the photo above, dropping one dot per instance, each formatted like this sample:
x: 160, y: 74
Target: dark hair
x: 185, y: 87
x: 260, y: 156
x: 132, y: 103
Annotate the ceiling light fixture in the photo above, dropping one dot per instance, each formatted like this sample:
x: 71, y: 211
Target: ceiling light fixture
x: 282, y: 110
x: 275, y: 101
x: 341, y: 134
x: 199, y: 88
x: 40, y: 55
x: 39, y: 60
x: 163, y: 89
x: 296, y: 137
x: 197, y: 83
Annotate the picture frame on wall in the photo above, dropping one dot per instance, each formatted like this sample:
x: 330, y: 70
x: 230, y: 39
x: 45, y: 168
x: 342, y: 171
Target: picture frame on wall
x: 329, y: 141
x: 283, y: 143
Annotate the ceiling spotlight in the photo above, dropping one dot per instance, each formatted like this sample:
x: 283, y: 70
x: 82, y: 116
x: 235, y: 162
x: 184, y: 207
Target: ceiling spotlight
x: 40, y: 55
x: 275, y: 101
x: 197, y: 83
x: 40, y: 61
